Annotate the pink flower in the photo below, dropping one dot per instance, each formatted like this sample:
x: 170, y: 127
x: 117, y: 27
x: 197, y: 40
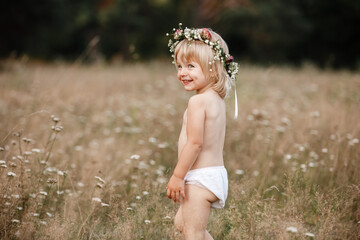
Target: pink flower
x: 229, y: 60
x: 205, y: 34
x: 177, y: 34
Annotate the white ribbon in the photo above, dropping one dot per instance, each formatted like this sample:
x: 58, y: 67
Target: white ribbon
x: 236, y: 105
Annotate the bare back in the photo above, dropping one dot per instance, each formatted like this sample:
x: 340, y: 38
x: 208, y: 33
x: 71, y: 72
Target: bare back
x: 211, y: 153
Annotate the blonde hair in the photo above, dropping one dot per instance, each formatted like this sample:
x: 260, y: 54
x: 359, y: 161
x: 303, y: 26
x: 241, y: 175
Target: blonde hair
x: 203, y: 54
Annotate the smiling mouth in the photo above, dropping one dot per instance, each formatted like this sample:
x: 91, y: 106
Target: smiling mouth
x: 185, y: 82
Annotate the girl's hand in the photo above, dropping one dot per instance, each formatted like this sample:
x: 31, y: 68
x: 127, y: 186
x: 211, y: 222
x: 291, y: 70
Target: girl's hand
x: 175, y: 188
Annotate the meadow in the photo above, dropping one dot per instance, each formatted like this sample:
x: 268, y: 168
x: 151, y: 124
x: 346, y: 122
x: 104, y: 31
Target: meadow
x: 86, y: 152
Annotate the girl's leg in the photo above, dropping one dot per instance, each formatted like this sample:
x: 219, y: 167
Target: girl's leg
x: 195, y: 211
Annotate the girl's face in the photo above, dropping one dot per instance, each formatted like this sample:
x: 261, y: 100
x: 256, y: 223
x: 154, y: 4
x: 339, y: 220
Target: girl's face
x: 192, y: 77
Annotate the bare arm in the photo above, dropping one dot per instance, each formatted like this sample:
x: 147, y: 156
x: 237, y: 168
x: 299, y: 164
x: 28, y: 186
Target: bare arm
x: 191, y: 149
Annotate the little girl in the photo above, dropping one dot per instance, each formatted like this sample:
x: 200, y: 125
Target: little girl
x: 203, y: 65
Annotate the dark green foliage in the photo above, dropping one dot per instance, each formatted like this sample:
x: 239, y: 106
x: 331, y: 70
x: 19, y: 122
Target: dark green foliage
x: 276, y: 31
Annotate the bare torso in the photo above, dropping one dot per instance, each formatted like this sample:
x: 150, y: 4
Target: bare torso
x: 211, y: 153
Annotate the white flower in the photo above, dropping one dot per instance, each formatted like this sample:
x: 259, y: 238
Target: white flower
x: 239, y: 172
x: 292, y: 229
x: 43, y: 222
x: 167, y: 218
x: 2, y: 162
x: 105, y: 205
x: 353, y: 142
x: 36, y: 214
x: 100, y: 179
x: 145, y: 193
x: 15, y: 221
x: 135, y: 156
x: 147, y: 221
x: 96, y: 199
x: 44, y: 193
x: 35, y: 150
x: 138, y: 197
x: 129, y: 209
x: 309, y: 234
x: 49, y: 214
x: 11, y: 174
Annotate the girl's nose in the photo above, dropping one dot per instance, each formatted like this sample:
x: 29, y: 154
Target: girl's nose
x: 182, y: 72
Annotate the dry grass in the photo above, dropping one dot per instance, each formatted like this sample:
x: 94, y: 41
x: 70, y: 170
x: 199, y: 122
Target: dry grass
x: 292, y: 157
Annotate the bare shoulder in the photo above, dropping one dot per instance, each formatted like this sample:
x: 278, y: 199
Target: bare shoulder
x: 197, y: 101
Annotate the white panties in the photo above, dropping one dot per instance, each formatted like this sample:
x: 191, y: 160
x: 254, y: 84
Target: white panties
x: 213, y: 179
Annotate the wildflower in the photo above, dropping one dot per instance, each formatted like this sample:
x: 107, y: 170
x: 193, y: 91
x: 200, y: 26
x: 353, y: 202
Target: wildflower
x: 286, y: 121
x: 59, y: 192
x: 145, y: 193
x: 104, y: 204
x: 7, y: 203
x: 2, y: 149
x: 280, y: 129
x: 19, y: 208
x: 324, y: 150
x: 55, y: 119
x: 138, y: 197
x: 60, y: 173
x: 12, y: 164
x: 35, y: 150
x: 11, y: 174
x: 292, y: 229
x: 44, y: 193
x: 152, y: 162
x: 96, y: 199
x: 51, y: 180
x: 312, y: 164
x: 15, y: 221
x: 27, y: 140
x: 314, y: 132
x: 57, y: 128
x: 3, y: 166
x: 239, y: 172
x: 17, y: 196
x: 163, y: 145
x: 100, y: 179
x: 43, y: 222
x: 99, y: 185
x: 167, y: 218
x: 303, y: 167
x: 147, y: 221
x: 353, y: 142
x: 36, y: 214
x: 80, y: 184
x: 129, y: 209
x: 135, y: 156
x: 152, y: 140
x: 309, y: 235
x: 48, y: 214
x: 133, y: 204
x: 256, y: 173
x: 27, y: 153
x: 315, y: 114
x: 2, y: 162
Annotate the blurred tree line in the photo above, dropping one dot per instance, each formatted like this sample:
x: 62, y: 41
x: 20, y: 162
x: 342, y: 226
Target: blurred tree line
x: 325, y: 32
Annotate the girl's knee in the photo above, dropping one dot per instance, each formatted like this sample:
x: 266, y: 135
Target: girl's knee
x: 178, y: 222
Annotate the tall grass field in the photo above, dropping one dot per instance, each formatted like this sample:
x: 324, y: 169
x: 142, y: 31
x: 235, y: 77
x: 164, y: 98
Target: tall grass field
x: 86, y: 152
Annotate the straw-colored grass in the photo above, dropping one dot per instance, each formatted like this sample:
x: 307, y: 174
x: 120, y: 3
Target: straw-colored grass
x: 86, y: 153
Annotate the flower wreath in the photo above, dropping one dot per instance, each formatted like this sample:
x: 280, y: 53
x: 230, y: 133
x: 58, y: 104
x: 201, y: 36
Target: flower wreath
x: 204, y: 35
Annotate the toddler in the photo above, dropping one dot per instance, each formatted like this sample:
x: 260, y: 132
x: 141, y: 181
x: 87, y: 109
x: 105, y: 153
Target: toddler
x: 203, y: 65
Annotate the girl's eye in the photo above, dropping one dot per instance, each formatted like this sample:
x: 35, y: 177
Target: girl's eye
x: 179, y: 66
x: 190, y: 66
